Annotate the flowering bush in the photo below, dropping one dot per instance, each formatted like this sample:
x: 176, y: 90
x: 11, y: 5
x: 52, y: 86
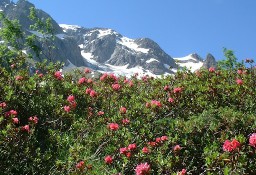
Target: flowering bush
x: 54, y: 123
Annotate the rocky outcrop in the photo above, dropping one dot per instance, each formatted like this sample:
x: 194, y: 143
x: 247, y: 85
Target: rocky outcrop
x: 209, y: 62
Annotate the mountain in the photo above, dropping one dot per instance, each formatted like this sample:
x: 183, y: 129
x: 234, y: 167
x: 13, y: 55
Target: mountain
x: 109, y: 50
x: 101, y: 49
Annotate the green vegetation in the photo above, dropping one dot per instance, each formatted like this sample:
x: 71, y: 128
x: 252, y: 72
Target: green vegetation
x: 189, y: 123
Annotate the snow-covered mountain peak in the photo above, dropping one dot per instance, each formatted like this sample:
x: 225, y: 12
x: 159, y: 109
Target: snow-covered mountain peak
x: 192, y: 62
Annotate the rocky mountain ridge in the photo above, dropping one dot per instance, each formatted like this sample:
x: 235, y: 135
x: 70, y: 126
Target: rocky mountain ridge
x: 102, y: 49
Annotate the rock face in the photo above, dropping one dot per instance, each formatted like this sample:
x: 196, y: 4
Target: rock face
x: 66, y: 47
x: 209, y: 62
x: 107, y: 47
x: 101, y: 49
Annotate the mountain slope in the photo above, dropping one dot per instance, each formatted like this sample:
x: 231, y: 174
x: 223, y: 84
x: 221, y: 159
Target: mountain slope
x: 105, y: 47
x: 101, y: 49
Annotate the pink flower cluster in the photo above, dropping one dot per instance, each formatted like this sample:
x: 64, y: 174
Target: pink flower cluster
x: 108, y: 159
x: 58, y: 75
x: 252, y: 140
x: 113, y: 126
x: 230, y: 146
x: 91, y: 92
x: 72, y: 103
x: 33, y: 119
x: 110, y: 77
x: 239, y: 81
x: 182, y: 172
x: 127, y: 150
x: 3, y: 105
x: 116, y: 87
x: 80, y: 165
x: 142, y: 169
x: 123, y: 110
x: 158, y: 141
x: 177, y: 90
x: 154, y: 104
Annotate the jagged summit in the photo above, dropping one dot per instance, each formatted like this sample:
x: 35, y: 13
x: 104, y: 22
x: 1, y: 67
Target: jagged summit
x: 106, y: 48
x: 102, y: 49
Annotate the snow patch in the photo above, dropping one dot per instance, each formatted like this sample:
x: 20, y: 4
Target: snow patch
x: 66, y: 27
x: 132, y: 45
x: 189, y: 62
x: 152, y: 60
x: 105, y: 32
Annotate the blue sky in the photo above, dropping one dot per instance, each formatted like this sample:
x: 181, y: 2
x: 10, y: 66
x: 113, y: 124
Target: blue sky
x: 180, y: 27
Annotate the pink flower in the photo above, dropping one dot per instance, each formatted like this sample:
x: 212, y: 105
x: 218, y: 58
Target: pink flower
x: 177, y: 90
x: 182, y: 172
x: 164, y: 138
x: 211, y: 69
x: 116, y: 87
x: 100, y: 113
x: 239, y: 81
x: 86, y: 70
x: 130, y: 83
x: 73, y: 105
x: 252, y: 140
x: 40, y: 75
x: 125, y: 121
x: 148, y: 105
x: 13, y: 112
x: 230, y: 145
x: 108, y: 159
x: 80, y: 165
x: 103, y: 77
x: 26, y: 128
x: 128, y: 154
x: 33, y: 119
x: 239, y: 71
x: 145, y: 150
x: 123, y: 110
x: 82, y: 80
x: 155, y: 103
x: 18, y: 77
x: 15, y: 120
x: 89, y: 80
x: 113, y: 126
x: 58, y: 75
x: 152, y: 144
x: 71, y: 98
x: 171, y: 100
x: 132, y: 146
x: 158, y: 140
x: 3, y: 105
x: 67, y: 108
x: 142, y: 169
x: 176, y: 148
x: 166, y: 88
x: 93, y: 93
x: 123, y: 150
x: 113, y: 77
x: 88, y: 90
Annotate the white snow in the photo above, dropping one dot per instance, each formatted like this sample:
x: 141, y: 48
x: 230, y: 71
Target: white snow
x: 189, y: 62
x: 119, y: 70
x: 151, y: 60
x: 132, y: 45
x: 66, y: 27
x: 105, y: 32
x: 81, y: 46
